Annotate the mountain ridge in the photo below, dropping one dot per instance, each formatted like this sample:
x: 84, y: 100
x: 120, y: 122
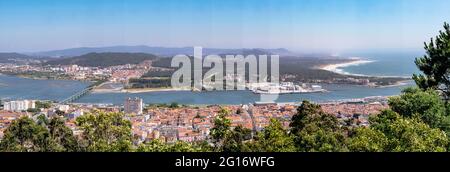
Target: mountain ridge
x: 103, y: 59
x: 159, y: 51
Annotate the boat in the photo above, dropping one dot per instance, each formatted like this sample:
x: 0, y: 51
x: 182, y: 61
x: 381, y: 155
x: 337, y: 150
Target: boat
x: 286, y: 88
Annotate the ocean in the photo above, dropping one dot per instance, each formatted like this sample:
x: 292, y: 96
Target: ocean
x: 399, y: 64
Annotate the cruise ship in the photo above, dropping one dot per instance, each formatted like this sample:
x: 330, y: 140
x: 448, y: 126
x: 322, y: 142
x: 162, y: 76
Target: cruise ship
x: 284, y: 88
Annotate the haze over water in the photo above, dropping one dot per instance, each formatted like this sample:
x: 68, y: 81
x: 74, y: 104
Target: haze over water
x: 385, y: 64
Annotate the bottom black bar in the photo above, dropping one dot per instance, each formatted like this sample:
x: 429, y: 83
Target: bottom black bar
x: 228, y: 161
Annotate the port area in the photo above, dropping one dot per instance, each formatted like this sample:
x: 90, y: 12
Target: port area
x: 284, y: 88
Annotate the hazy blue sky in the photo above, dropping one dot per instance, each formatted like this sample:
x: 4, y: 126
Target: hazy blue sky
x: 301, y: 25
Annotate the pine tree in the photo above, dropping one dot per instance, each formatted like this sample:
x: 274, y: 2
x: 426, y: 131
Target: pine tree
x: 435, y: 64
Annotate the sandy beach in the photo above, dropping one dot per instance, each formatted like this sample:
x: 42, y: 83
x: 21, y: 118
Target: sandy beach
x: 144, y: 90
x: 137, y: 90
x: 337, y: 68
x: 399, y: 83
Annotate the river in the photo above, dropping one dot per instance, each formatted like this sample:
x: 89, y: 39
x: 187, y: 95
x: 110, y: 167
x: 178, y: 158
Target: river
x: 13, y: 88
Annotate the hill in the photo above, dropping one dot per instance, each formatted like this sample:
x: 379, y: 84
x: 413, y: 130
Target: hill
x: 13, y: 57
x: 159, y: 51
x: 103, y: 59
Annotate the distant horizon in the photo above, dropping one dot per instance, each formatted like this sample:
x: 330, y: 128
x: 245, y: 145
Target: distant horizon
x: 318, y: 52
x: 317, y: 26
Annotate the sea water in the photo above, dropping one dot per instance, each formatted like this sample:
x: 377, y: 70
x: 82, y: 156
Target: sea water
x: 385, y: 64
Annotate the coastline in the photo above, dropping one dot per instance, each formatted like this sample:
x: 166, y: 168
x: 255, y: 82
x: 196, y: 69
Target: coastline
x: 336, y: 67
x: 355, y: 61
x: 146, y: 90
x: 43, y: 79
x: 137, y: 90
x: 185, y: 97
x: 398, y: 84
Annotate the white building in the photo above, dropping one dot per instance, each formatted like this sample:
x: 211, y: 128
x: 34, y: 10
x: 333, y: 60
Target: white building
x: 19, y: 105
x: 64, y: 108
x: 133, y: 106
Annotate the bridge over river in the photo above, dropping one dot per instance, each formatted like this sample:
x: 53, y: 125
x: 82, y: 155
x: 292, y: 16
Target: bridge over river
x: 82, y: 93
x: 77, y: 95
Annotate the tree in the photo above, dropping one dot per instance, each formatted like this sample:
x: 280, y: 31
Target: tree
x: 24, y: 135
x: 274, y: 138
x: 408, y: 135
x: 174, y: 105
x: 315, y: 131
x: 33, y: 110
x: 221, y: 128
x: 226, y: 139
x: 45, y: 105
x: 181, y: 146
x: 435, y: 64
x: 425, y: 105
x: 367, y: 140
x: 105, y: 132
x: 157, y: 145
x: 42, y: 120
x: 59, y: 112
x: 234, y: 141
x: 62, y: 136
x: 239, y: 111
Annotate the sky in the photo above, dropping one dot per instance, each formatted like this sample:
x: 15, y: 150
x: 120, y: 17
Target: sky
x: 333, y: 26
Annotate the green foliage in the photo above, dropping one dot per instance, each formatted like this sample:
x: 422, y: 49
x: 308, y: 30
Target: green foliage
x: 33, y: 110
x: 42, y: 120
x: 62, y: 136
x: 41, y: 104
x: 164, y: 105
x: 391, y: 132
x: 24, y: 135
x: 174, y: 105
x: 367, y: 140
x: 315, y: 131
x: 149, y: 82
x: 409, y: 135
x: 157, y: 145
x: 425, y: 105
x: 105, y: 132
x: 435, y: 64
x: 235, y: 140
x: 311, y: 130
x: 221, y: 128
x: 274, y: 138
x: 12, y: 57
x: 60, y: 113
x: 103, y: 59
x: 226, y: 139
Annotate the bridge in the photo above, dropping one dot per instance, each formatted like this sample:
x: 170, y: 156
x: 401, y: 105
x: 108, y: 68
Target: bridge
x: 77, y: 95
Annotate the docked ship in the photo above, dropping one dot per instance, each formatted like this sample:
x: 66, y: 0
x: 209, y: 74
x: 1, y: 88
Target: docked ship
x: 285, y: 88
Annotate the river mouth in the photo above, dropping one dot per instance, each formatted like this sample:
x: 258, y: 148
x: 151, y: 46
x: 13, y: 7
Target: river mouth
x: 336, y: 92
x: 15, y: 88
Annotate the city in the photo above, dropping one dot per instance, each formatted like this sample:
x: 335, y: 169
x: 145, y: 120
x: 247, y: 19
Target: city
x: 127, y: 85
x: 173, y: 123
